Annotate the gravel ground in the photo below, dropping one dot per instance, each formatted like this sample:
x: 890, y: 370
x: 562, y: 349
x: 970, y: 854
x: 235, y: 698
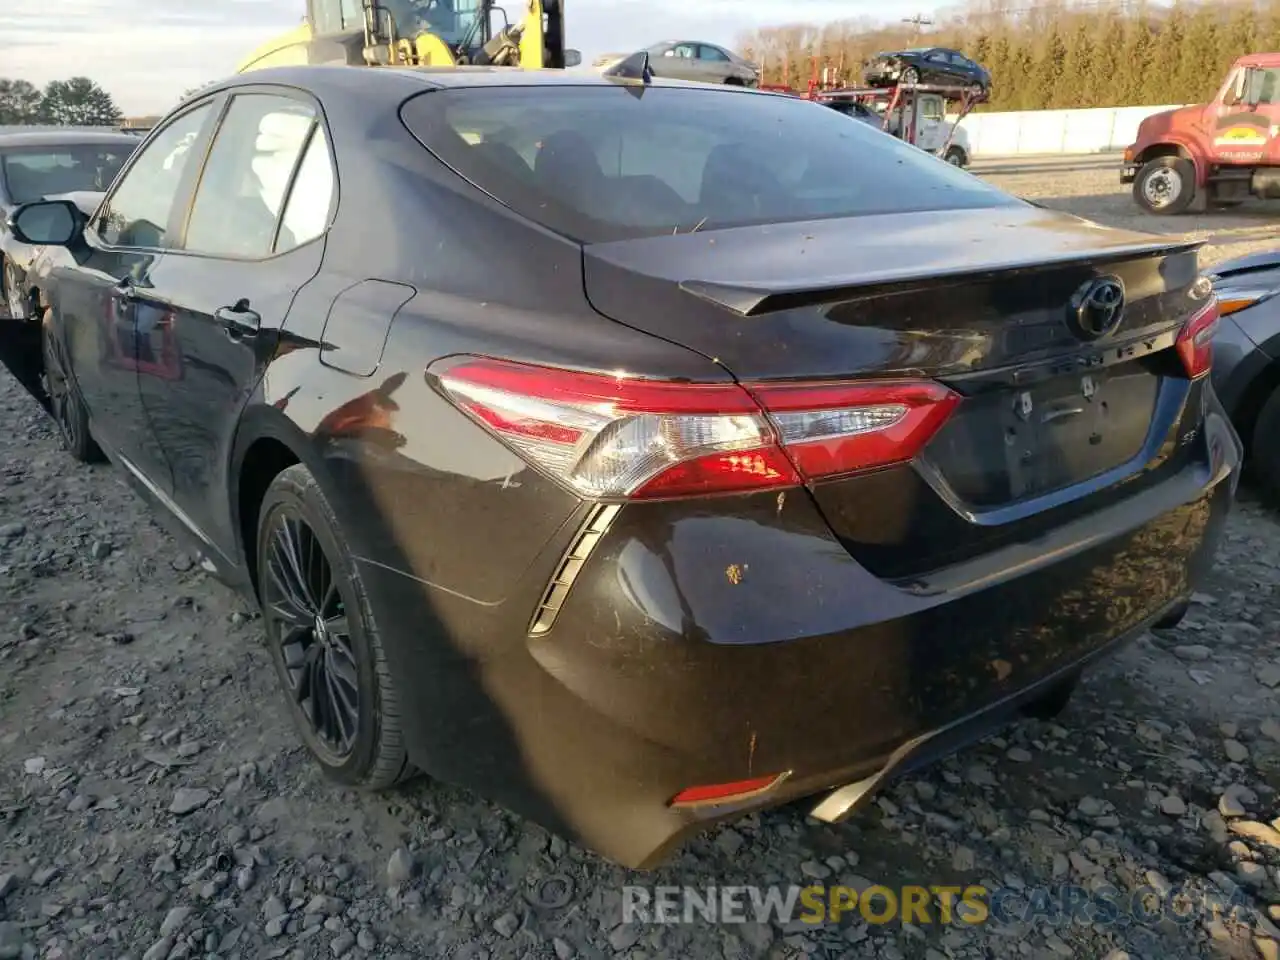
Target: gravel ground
x: 1090, y: 187
x: 154, y: 802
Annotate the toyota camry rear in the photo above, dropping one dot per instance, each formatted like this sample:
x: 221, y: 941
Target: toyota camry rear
x: 923, y: 451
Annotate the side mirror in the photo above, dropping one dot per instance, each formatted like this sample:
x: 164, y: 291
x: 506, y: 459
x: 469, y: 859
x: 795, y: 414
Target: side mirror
x: 46, y: 223
x: 572, y: 58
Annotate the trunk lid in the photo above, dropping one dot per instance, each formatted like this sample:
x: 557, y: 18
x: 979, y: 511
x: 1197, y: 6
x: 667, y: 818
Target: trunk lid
x: 1057, y: 405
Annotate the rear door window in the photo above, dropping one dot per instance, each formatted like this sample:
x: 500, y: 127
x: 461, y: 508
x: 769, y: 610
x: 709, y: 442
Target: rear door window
x: 250, y: 168
x: 600, y: 163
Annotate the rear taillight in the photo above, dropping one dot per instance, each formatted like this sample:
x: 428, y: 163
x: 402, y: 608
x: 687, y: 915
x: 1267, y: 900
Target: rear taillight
x: 619, y: 436
x: 1195, y: 342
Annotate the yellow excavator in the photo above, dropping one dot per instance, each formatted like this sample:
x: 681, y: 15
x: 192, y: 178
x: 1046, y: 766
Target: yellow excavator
x: 447, y: 33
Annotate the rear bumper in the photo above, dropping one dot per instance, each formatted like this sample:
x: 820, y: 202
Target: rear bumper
x: 700, y: 647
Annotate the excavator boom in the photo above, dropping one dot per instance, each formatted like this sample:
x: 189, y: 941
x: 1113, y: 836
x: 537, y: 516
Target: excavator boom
x: 422, y: 33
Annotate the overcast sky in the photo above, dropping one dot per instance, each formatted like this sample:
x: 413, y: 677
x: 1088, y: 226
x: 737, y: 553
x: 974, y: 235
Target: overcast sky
x: 147, y: 52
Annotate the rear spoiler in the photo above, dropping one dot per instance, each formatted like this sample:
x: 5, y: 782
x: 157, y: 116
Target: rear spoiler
x: 757, y: 298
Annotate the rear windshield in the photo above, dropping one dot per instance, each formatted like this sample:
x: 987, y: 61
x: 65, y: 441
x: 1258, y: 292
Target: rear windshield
x: 30, y: 173
x: 600, y: 163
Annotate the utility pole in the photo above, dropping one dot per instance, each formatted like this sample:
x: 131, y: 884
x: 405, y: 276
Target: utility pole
x: 918, y: 21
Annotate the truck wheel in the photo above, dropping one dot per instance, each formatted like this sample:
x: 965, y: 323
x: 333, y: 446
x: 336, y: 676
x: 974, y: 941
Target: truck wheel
x: 1265, y: 450
x: 1165, y: 186
x: 956, y: 157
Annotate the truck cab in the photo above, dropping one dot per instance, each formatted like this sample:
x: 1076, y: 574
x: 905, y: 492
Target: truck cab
x: 933, y: 132
x: 930, y: 131
x: 1220, y: 153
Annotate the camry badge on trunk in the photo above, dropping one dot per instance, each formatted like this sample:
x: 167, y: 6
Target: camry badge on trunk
x: 1097, y: 308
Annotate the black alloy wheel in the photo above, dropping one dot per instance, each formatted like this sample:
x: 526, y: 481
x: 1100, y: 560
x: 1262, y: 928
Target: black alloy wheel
x: 308, y: 620
x: 322, y: 638
x: 64, y: 404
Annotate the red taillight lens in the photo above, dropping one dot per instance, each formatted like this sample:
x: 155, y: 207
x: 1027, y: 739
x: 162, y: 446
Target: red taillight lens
x: 1195, y: 342
x: 830, y: 429
x: 618, y: 436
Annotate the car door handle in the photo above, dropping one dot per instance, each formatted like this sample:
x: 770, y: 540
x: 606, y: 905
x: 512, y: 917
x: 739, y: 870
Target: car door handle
x: 239, y: 320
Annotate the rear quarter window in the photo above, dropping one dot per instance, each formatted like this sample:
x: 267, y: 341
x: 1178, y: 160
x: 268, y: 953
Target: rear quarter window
x: 601, y: 163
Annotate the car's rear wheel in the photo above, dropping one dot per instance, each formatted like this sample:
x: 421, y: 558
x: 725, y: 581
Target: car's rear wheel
x: 956, y: 157
x: 323, y: 639
x: 911, y: 75
x: 1264, y: 449
x: 1053, y: 701
x: 976, y: 89
x: 1165, y: 185
x: 14, y: 300
x: 65, y: 406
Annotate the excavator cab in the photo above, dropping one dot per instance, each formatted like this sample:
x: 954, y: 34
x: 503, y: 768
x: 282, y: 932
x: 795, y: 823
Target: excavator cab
x: 422, y: 33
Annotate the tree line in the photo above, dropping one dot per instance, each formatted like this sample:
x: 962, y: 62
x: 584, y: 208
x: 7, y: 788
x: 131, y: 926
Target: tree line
x: 1047, y: 55
x: 78, y: 102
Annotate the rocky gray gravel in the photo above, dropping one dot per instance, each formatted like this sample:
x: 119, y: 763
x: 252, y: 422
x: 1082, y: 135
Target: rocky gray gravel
x: 156, y: 805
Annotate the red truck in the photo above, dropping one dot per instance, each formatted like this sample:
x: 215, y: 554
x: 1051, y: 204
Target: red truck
x: 1217, y: 153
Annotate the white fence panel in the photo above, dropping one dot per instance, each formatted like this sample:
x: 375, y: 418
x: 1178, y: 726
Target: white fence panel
x: 1097, y: 130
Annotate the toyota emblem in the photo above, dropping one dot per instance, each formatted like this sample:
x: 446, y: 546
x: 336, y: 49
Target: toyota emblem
x: 1097, y: 309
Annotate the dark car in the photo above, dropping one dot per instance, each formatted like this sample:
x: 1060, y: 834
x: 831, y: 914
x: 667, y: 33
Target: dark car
x: 1246, y: 366
x: 928, y: 65
x: 590, y: 444
x: 37, y: 165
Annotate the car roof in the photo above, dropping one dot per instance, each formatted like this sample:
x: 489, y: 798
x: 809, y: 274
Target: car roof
x: 63, y: 138
x: 322, y: 78
x: 1260, y: 60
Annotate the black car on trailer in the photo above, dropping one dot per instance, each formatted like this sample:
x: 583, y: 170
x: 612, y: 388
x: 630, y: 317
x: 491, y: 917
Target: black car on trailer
x: 933, y: 65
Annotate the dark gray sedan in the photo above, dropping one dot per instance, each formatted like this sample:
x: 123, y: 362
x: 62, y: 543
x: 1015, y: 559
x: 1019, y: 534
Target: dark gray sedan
x: 47, y: 163
x: 1246, y: 363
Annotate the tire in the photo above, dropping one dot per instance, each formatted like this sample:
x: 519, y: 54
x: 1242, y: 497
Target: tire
x: 14, y: 301
x: 371, y: 756
x: 956, y: 157
x: 63, y: 402
x: 977, y: 90
x: 733, y: 82
x: 1053, y: 701
x: 1264, y: 449
x: 1173, y: 617
x: 1165, y: 186
x: 909, y: 76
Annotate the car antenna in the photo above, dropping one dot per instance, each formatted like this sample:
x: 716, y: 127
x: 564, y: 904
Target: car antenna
x: 631, y: 69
